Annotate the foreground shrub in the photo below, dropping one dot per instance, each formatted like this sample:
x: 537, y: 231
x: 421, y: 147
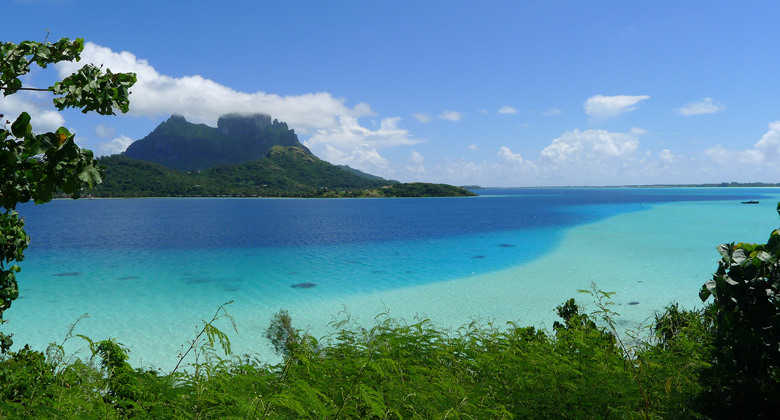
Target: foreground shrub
x: 744, y: 380
x: 395, y: 369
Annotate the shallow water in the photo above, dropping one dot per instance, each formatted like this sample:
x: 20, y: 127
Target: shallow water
x: 148, y: 270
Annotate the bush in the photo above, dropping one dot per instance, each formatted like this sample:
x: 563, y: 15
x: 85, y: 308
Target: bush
x: 744, y: 380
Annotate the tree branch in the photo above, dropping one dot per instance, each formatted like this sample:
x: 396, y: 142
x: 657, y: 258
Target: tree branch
x: 36, y: 89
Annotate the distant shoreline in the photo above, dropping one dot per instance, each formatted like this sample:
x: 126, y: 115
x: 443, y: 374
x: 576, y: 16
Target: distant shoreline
x: 468, y: 187
x: 720, y: 185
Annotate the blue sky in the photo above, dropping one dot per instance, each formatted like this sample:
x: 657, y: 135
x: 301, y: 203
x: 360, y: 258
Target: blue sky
x: 488, y: 93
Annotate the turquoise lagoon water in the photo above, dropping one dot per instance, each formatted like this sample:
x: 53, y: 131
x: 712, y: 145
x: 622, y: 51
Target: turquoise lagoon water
x: 147, y: 271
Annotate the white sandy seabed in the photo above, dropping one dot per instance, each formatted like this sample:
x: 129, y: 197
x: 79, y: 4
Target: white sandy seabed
x: 649, y: 258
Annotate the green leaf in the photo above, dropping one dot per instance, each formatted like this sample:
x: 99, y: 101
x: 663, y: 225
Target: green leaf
x: 373, y: 399
x: 21, y: 127
x: 725, y: 251
x: 741, y: 257
x: 707, y: 290
x: 765, y: 257
x: 62, y: 134
x: 90, y: 176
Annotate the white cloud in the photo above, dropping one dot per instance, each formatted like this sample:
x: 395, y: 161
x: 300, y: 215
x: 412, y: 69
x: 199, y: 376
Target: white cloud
x: 561, y: 150
x: 349, y: 133
x: 705, y: 106
x: 472, y: 147
x: 451, y: 116
x: 202, y: 100
x: 592, y: 145
x: 117, y: 145
x: 765, y: 154
x: 362, y: 157
x: 610, y: 106
x: 725, y: 157
x: 47, y: 120
x: 578, y: 157
x: 769, y: 145
x: 601, y: 157
x: 417, y: 165
x: 591, y: 157
x: 104, y: 131
x: 507, y: 155
x: 462, y: 172
x: 417, y: 158
x: 352, y: 144
x: 501, y: 173
x: 668, y: 158
x: 507, y: 110
x: 551, y: 112
x: 423, y: 118
x: 35, y: 104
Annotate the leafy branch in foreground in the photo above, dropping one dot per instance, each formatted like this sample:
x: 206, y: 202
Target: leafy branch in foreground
x: 745, y: 376
x: 35, y: 166
x: 213, y: 335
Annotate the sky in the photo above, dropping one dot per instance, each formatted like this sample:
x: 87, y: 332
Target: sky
x: 493, y: 93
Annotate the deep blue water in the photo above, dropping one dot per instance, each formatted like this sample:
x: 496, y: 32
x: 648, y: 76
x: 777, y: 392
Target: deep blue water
x: 350, y: 245
x: 217, y: 223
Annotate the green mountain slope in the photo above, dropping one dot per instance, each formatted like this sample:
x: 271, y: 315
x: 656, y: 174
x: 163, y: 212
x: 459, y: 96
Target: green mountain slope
x: 358, y: 172
x: 291, y: 169
x: 286, y: 171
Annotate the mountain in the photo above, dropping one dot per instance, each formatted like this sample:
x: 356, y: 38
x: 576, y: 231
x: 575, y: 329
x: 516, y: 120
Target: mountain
x: 246, y: 155
x: 184, y: 146
x: 360, y: 173
x: 285, y: 171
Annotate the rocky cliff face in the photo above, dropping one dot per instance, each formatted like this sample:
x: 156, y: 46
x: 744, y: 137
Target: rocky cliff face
x: 184, y: 146
x: 243, y: 125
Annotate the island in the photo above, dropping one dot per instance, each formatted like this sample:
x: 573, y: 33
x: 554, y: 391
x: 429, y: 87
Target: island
x: 244, y: 156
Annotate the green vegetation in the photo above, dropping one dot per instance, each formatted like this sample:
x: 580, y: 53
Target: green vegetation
x: 746, y: 328
x: 284, y: 172
x: 422, y: 189
x: 35, y: 166
x: 360, y: 173
x: 734, y: 184
x: 392, y: 370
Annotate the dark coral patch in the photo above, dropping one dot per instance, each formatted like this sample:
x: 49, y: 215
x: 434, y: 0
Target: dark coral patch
x: 128, y: 278
x: 633, y: 303
x: 68, y: 274
x: 303, y: 285
x: 479, y: 257
x: 507, y: 245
